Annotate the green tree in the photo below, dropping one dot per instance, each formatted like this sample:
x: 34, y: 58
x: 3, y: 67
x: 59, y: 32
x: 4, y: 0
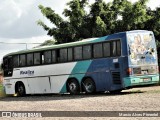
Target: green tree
x: 102, y: 19
x: 48, y: 42
x: 154, y: 22
x: 65, y: 31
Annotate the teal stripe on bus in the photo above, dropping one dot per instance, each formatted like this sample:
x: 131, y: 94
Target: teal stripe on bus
x: 131, y: 81
x: 78, y: 72
x: 100, y: 39
x: 81, y: 65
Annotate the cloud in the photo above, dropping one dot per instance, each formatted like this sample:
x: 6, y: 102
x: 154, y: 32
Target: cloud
x: 18, y: 17
x: 18, y: 21
x: 16, y: 8
x: 11, y: 12
x: 8, y: 46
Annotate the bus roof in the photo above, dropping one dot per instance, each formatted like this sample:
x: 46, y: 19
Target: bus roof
x: 137, y: 31
x: 43, y: 48
x: 82, y: 42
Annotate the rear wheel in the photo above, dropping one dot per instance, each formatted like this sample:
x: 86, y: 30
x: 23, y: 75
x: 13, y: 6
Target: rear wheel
x: 89, y: 86
x: 73, y: 86
x: 20, y: 89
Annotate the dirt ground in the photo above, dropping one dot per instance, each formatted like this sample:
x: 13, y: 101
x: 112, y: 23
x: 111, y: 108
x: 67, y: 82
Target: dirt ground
x: 137, y: 99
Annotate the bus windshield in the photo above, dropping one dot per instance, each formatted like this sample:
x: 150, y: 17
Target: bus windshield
x: 142, y: 49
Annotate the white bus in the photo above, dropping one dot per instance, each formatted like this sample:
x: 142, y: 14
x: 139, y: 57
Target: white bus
x: 109, y: 63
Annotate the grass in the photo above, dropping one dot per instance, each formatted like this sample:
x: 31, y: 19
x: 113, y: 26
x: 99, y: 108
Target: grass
x: 2, y: 94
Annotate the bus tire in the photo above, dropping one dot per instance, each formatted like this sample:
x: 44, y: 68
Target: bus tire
x: 20, y: 89
x: 73, y: 86
x: 89, y: 86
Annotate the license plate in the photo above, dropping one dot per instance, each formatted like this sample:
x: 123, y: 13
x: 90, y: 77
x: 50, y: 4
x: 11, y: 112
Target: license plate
x: 146, y: 79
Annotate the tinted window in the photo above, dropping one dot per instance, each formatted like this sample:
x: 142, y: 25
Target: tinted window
x: 70, y: 54
x: 53, y: 56
x: 47, y: 57
x: 97, y: 50
x: 118, y: 48
x: 8, y: 66
x: 78, y: 53
x: 10, y: 62
x: 30, y: 59
x: 37, y: 59
x: 5, y: 61
x: 87, y: 52
x: 22, y: 60
x: 114, y: 50
x: 106, y: 49
x: 63, y: 55
x: 15, y: 61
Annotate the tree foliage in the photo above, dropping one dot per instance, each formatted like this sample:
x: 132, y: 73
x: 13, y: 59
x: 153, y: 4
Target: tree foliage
x: 102, y: 19
x: 47, y: 43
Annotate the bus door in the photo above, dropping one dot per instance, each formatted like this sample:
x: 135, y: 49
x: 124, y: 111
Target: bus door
x: 8, y: 66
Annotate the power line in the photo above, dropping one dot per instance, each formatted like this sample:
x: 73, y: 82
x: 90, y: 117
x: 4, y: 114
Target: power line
x: 19, y: 43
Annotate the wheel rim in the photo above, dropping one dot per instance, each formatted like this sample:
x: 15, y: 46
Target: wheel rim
x: 89, y: 87
x: 72, y: 87
x: 20, y: 90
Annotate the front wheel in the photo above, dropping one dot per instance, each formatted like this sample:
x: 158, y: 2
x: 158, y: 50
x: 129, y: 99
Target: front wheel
x: 89, y: 86
x: 20, y: 90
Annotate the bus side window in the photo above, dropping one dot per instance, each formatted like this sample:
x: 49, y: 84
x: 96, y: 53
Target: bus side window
x: 78, y: 53
x: 53, y: 56
x: 47, y: 57
x: 37, y: 59
x: 63, y: 55
x: 97, y: 50
x: 114, y: 50
x: 42, y: 58
x: 70, y: 54
x: 30, y: 59
x: 87, y: 52
x: 118, y: 48
x: 22, y: 60
x: 106, y: 49
x: 16, y: 61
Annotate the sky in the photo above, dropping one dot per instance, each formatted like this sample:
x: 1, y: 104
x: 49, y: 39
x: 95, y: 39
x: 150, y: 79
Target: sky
x: 18, y: 22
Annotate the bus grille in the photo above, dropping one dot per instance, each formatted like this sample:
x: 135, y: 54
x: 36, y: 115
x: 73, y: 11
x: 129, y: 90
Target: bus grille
x: 116, y: 78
